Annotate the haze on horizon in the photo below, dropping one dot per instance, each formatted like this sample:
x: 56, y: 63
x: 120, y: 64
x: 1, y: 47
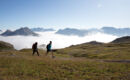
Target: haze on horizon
x: 59, y: 41
x: 64, y: 13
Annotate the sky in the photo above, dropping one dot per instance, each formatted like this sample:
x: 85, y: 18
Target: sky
x: 64, y: 13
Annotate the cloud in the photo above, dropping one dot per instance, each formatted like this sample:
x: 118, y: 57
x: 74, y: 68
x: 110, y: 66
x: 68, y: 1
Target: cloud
x: 59, y: 41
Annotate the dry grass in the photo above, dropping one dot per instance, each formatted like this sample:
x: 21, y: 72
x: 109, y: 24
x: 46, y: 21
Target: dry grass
x: 104, y: 51
x: 21, y: 65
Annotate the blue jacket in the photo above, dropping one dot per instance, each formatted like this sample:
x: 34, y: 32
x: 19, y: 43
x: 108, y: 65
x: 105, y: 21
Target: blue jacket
x: 49, y: 47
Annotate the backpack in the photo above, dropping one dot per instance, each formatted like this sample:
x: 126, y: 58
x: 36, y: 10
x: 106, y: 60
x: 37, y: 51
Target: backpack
x: 33, y: 46
x: 47, y: 46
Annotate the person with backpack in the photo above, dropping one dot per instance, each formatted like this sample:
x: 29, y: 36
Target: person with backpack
x: 35, y: 49
x: 48, y: 47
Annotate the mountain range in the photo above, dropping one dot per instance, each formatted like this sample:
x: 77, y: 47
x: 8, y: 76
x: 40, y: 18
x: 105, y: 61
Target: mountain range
x: 107, y: 30
x: 72, y: 31
x: 69, y: 31
x: 22, y: 31
x: 116, y: 31
x: 0, y: 31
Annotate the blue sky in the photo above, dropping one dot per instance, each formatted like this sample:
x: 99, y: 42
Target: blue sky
x: 64, y: 13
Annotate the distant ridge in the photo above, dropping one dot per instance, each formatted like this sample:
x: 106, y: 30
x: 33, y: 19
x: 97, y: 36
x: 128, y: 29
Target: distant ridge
x: 7, y: 32
x: 125, y: 39
x: 72, y: 31
x: 107, y: 30
x: 22, y: 31
x: 94, y: 43
x: 42, y: 29
x: 116, y: 31
x: 83, y: 45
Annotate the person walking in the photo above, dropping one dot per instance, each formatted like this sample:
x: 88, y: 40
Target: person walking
x: 35, y: 49
x: 48, y: 47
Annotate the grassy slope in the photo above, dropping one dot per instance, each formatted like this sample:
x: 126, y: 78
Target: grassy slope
x: 4, y: 46
x: 21, y: 65
x: 105, y: 51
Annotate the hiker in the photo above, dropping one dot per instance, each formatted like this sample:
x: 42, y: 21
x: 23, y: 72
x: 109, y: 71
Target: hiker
x: 48, y: 47
x: 35, y: 49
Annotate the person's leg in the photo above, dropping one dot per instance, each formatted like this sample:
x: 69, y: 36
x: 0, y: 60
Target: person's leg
x: 52, y: 54
x: 37, y: 53
x: 33, y: 52
x: 47, y: 52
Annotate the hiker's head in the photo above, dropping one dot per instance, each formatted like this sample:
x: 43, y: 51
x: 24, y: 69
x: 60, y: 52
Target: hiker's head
x: 36, y: 43
x: 50, y: 42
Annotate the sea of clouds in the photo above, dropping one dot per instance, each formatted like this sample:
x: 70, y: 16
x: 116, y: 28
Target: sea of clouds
x: 58, y: 41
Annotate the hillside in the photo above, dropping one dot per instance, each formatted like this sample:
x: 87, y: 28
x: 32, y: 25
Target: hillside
x: 99, y: 50
x: 125, y: 39
x: 4, y: 46
x: 94, y: 43
x: 22, y: 31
